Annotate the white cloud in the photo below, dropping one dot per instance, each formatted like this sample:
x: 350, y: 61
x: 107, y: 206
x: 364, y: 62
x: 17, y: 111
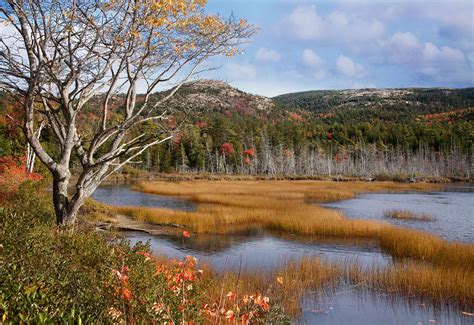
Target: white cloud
x: 337, y: 27
x: 447, y: 12
x: 443, y: 64
x: 319, y: 74
x: 310, y: 58
x: 346, y: 66
x: 402, y: 47
x: 305, y: 22
x: 267, y: 55
x: 451, y: 19
x: 240, y: 71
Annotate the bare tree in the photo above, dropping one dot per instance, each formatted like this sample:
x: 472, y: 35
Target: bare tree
x: 58, y: 58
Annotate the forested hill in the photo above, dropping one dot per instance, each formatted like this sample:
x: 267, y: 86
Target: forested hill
x: 408, y: 100
x: 334, y: 106
x: 353, y: 132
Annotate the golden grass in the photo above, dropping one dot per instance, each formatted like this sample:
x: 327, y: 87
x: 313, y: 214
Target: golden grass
x: 408, y: 243
x: 273, y: 205
x: 288, y: 207
x: 407, y: 215
x: 428, y: 266
x: 96, y: 211
x: 413, y: 280
x: 295, y: 278
x: 287, y: 284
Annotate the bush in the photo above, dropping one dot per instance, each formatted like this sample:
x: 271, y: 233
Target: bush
x: 12, y: 176
x: 53, y: 276
x: 57, y: 276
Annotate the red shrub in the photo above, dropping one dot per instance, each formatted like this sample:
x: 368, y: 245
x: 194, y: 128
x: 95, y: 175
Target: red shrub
x: 201, y: 124
x: 12, y: 175
x: 226, y: 149
x: 249, y: 153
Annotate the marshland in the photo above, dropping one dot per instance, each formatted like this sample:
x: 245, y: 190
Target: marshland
x: 236, y: 162
x: 285, y: 238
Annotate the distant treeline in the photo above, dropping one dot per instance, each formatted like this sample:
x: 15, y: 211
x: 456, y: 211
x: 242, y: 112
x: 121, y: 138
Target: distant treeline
x: 240, y: 144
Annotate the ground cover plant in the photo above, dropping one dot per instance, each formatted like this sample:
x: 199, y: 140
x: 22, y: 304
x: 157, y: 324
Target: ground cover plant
x: 48, y: 275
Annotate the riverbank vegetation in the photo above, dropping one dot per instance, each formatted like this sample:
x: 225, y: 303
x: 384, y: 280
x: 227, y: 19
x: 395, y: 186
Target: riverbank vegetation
x: 380, y: 134
x: 417, y: 134
x: 53, y: 276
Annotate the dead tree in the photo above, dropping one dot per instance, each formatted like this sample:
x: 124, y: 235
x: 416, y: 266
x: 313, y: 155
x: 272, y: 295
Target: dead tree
x: 58, y: 58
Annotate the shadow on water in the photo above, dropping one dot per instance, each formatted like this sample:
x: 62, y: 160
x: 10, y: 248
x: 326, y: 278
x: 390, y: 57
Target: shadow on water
x: 262, y: 251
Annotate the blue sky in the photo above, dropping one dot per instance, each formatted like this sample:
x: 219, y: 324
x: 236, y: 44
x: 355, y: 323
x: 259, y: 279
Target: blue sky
x: 342, y: 44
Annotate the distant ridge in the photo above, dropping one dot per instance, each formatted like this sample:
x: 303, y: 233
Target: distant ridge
x: 418, y: 99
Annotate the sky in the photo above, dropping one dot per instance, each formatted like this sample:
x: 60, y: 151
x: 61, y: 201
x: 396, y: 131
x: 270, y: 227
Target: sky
x: 344, y: 44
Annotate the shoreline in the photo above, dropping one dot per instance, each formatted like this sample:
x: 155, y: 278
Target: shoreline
x: 174, y: 177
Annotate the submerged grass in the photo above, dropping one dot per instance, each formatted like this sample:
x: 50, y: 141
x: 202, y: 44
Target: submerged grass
x: 291, y: 282
x: 407, y: 215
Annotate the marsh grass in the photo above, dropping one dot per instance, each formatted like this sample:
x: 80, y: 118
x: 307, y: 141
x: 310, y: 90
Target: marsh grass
x: 273, y: 205
x: 407, y: 215
x: 427, y: 267
x: 93, y: 210
x: 419, y: 282
x: 413, y: 244
x: 294, y: 279
x: 226, y: 207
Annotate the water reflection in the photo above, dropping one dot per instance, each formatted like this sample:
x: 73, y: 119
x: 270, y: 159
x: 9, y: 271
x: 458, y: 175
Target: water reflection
x: 255, y: 251
x: 361, y: 307
x: 124, y: 196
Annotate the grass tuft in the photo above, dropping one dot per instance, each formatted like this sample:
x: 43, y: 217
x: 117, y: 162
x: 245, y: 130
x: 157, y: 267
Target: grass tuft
x: 407, y: 215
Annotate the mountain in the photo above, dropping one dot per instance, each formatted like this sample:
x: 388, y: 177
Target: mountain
x: 410, y: 100
x: 206, y: 96
x: 213, y: 95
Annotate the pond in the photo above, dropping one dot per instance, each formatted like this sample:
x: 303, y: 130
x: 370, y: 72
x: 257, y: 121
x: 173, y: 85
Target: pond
x: 263, y: 251
x: 452, y: 210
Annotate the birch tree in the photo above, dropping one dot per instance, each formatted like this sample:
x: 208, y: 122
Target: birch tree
x: 59, y: 57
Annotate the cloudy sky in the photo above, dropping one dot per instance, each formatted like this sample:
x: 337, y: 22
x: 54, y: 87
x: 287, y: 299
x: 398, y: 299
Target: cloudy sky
x: 344, y: 44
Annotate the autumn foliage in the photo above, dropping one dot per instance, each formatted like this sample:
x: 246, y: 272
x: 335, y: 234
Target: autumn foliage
x: 248, y: 154
x: 226, y: 149
x: 12, y: 175
x: 105, y: 280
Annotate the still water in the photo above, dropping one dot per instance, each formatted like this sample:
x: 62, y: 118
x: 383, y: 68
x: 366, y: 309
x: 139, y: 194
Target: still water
x: 359, y: 307
x: 124, y: 196
x: 452, y: 210
x: 255, y: 252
